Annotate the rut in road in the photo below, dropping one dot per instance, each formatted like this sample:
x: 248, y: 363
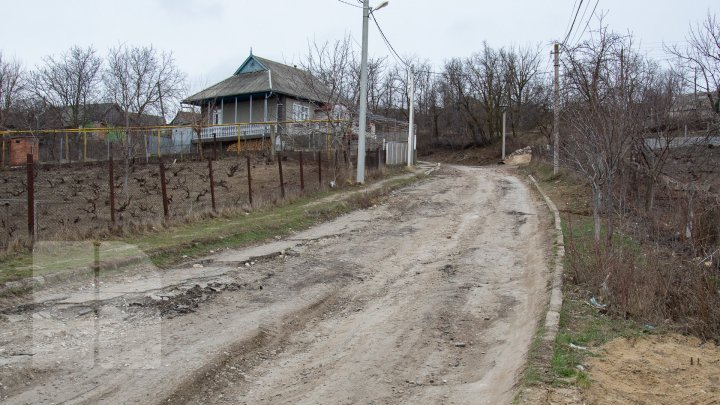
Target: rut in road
x: 453, y: 277
x: 432, y: 297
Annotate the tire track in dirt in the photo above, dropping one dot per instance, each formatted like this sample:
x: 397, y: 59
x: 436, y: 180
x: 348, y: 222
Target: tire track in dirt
x: 430, y: 298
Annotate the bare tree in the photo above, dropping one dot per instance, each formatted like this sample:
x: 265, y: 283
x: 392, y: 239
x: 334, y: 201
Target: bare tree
x: 11, y: 85
x: 606, y: 87
x: 524, y: 84
x: 68, y: 83
x: 701, y: 59
x: 140, y: 80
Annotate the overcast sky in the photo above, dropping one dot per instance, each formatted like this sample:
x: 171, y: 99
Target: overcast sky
x: 211, y: 38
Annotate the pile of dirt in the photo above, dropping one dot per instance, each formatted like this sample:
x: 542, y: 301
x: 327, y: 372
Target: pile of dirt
x: 519, y: 157
x: 669, y: 369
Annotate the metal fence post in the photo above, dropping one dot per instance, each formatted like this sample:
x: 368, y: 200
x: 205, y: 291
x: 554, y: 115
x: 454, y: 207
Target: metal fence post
x: 67, y: 147
x: 282, y: 183
x: 302, y: 175
x: 31, y: 197
x: 212, y: 184
x: 84, y: 145
x: 319, y: 159
x: 111, y: 184
x: 163, y: 189
x: 249, y: 180
x: 2, y: 156
x: 215, y: 152
x: 159, y: 152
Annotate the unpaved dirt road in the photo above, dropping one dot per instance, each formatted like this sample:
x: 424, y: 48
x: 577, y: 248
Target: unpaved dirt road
x: 431, y: 297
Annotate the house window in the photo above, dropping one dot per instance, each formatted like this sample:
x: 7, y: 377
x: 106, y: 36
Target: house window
x: 217, y: 116
x: 300, y: 112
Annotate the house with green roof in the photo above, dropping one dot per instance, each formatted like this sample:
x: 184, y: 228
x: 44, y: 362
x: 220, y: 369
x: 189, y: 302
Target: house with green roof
x: 261, y: 92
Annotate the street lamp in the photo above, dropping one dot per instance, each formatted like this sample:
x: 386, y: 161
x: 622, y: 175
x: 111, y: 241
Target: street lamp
x: 504, y: 108
x: 362, y: 120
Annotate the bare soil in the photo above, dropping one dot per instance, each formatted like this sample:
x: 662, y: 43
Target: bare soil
x: 73, y: 200
x: 669, y: 369
x: 663, y: 369
x: 431, y: 297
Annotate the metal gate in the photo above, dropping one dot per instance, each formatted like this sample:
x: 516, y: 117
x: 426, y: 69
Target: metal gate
x: 395, y: 153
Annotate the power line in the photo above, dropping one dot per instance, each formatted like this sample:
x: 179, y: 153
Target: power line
x: 589, y: 19
x: 582, y: 18
x: 570, y: 19
x: 387, y: 42
x: 349, y: 4
x: 573, y: 23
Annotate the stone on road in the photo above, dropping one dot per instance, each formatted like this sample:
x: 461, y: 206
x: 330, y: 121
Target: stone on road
x: 432, y: 297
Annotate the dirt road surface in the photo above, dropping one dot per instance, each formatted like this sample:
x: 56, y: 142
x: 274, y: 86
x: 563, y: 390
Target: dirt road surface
x: 431, y: 297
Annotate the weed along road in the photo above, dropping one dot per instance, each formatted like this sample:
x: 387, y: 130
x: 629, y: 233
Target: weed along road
x: 432, y: 296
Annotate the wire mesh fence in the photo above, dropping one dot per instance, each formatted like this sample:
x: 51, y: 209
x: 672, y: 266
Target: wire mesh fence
x: 92, y: 199
x: 82, y: 183
x: 178, y: 142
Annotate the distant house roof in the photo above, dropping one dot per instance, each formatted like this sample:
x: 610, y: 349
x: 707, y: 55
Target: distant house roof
x: 185, y: 118
x: 259, y: 75
x: 111, y: 114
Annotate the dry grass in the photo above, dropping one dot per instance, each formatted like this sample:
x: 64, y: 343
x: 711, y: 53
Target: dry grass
x: 648, y: 271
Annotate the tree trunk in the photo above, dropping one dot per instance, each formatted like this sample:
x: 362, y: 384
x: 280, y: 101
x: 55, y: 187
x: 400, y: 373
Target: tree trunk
x: 597, y: 204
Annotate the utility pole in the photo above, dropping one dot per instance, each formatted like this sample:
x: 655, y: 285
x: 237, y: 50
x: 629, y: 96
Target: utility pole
x: 556, y: 107
x: 362, y: 119
x: 411, y: 107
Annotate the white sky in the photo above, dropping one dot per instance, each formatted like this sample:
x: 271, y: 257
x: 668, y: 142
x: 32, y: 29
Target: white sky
x: 211, y: 38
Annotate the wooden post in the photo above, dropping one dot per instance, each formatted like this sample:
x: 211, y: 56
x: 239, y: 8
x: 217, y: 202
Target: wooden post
x: 238, y: 132
x: 249, y: 180
x: 302, y: 175
x: 319, y: 159
x: 377, y: 158
x: 282, y: 183
x: 31, y: 196
x: 111, y: 184
x: 163, y: 189
x: 212, y: 184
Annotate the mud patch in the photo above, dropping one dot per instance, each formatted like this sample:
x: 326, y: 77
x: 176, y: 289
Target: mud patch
x: 190, y: 299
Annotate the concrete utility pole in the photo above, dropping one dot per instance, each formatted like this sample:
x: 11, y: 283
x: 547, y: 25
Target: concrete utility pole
x: 411, y: 107
x: 556, y: 107
x: 362, y: 119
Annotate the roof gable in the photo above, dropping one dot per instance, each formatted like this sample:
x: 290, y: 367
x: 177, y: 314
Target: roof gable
x: 251, y: 65
x: 259, y: 75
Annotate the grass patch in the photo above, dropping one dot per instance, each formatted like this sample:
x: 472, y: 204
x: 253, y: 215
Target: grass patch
x: 584, y: 326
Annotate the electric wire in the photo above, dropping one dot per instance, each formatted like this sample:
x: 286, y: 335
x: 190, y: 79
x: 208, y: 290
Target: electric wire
x: 575, y: 36
x: 387, y: 42
x: 597, y: 2
x: 572, y: 26
x: 349, y: 4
